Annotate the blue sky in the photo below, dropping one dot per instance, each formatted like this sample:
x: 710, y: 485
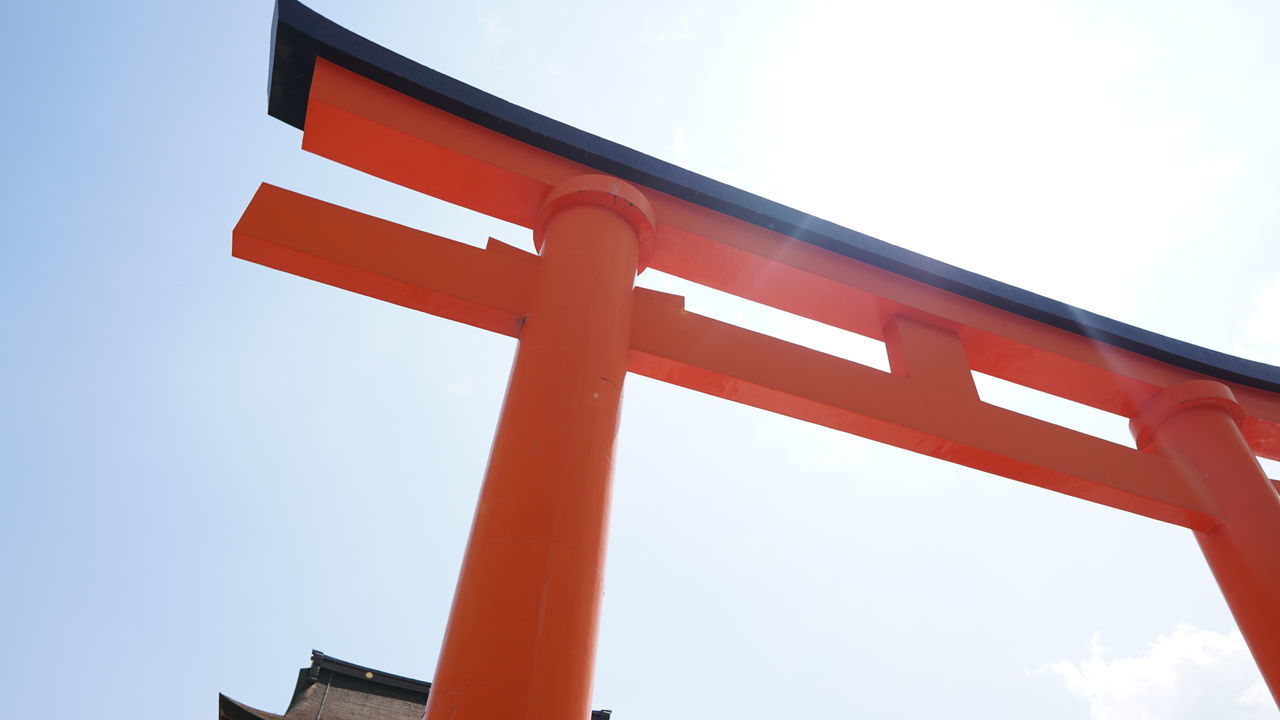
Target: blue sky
x: 211, y: 467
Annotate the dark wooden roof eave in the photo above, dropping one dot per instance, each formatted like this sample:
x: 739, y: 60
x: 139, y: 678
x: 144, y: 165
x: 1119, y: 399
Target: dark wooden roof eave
x: 229, y: 709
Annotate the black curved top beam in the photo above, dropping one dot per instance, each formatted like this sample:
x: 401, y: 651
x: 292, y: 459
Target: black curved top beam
x: 300, y: 35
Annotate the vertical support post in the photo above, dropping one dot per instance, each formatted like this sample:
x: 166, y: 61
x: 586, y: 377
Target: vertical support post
x: 1197, y: 424
x: 520, y: 640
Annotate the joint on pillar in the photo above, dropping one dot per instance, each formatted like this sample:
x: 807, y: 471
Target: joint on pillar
x: 609, y: 192
x: 1183, y: 396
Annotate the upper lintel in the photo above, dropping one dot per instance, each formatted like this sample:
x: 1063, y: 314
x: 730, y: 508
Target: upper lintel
x: 301, y: 35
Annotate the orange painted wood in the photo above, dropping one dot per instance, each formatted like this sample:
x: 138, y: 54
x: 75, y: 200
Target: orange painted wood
x: 928, y: 354
x: 520, y: 641
x: 1196, y: 425
x: 379, y: 131
x: 287, y: 231
x: 374, y: 129
x: 686, y: 349
x: 521, y: 636
x: 492, y: 289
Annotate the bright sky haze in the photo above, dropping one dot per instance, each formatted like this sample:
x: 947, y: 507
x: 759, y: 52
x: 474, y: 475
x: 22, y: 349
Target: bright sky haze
x: 211, y: 467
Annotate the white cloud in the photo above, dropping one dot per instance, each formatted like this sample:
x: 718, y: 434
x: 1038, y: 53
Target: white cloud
x: 1190, y: 674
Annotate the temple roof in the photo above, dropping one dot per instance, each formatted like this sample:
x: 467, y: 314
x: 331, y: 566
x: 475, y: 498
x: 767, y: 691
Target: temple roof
x: 333, y: 689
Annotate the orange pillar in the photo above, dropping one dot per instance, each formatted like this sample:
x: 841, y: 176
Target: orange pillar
x: 520, y: 642
x: 1197, y: 424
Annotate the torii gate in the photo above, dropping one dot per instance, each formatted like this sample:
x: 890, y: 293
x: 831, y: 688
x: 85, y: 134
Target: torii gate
x: 520, y: 640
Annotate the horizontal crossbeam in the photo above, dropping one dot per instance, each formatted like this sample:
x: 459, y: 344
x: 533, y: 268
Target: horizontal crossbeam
x: 726, y: 361
x: 489, y: 288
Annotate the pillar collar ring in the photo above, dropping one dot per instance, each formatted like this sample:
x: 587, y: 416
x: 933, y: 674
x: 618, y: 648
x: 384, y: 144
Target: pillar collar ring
x: 621, y: 197
x: 1176, y: 398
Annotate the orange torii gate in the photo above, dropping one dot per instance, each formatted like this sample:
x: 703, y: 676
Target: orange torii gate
x: 520, y: 640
